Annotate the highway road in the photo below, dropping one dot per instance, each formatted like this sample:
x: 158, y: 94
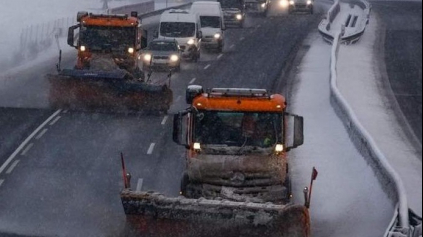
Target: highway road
x: 65, y: 180
x: 403, y: 57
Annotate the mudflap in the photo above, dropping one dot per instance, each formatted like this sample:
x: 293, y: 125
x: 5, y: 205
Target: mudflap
x: 108, y: 93
x: 154, y: 215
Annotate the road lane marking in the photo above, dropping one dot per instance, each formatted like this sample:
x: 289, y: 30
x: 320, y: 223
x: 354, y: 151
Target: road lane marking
x: 66, y: 111
x: 12, y: 167
x: 242, y: 38
x: 178, y: 98
x: 220, y: 56
x: 151, y: 149
x: 41, y: 134
x: 207, y: 67
x: 23, y: 145
x: 139, y: 185
x: 232, y: 46
x: 165, y: 120
x: 192, y: 81
x: 55, y: 121
x: 27, y: 149
x: 1, y: 182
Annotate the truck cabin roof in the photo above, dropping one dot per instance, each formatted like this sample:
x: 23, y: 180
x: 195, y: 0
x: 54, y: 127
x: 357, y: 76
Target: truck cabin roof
x: 109, y: 20
x: 243, y: 100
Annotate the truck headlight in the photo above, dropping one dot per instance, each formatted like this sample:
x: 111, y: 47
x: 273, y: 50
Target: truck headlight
x: 191, y: 42
x: 309, y: 2
x: 174, y: 58
x: 279, y: 148
x: 263, y: 5
x: 148, y: 57
x: 197, y: 147
x: 83, y: 48
x: 217, y: 36
x: 239, y: 17
x: 131, y: 50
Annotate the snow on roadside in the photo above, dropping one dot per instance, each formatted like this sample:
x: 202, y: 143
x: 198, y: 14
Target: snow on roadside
x: 359, y: 81
x: 347, y: 200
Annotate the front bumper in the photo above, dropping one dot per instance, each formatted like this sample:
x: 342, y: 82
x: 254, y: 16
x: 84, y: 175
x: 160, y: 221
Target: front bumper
x: 161, y: 63
x: 211, y: 42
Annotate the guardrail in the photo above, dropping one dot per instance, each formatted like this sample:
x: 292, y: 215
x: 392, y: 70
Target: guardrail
x: 404, y: 222
x: 326, y: 24
x: 347, y: 38
x: 141, y: 8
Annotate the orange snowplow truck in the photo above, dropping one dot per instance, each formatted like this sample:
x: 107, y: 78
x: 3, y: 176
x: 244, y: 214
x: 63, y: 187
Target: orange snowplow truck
x: 107, y: 74
x: 236, y: 181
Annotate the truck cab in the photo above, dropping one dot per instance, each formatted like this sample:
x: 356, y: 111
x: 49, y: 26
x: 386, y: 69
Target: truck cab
x: 184, y: 27
x: 115, y: 37
x: 237, y: 143
x: 212, y: 24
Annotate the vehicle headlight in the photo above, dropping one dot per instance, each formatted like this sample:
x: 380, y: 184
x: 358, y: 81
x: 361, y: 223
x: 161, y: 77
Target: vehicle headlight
x: 148, y: 57
x: 284, y: 3
x: 292, y: 2
x: 217, y: 36
x: 263, y: 5
x: 239, y: 16
x: 309, y: 2
x: 279, y: 148
x: 174, y: 58
x: 191, y: 42
x: 83, y: 48
x: 131, y: 50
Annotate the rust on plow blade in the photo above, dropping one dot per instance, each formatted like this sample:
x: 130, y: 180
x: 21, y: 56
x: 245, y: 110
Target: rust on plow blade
x: 110, y: 91
x: 154, y: 215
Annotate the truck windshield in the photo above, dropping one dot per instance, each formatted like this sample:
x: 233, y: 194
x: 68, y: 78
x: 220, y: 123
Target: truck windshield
x: 107, y: 38
x: 210, y: 21
x: 238, y: 129
x: 177, y: 29
x: 163, y: 46
x: 231, y: 3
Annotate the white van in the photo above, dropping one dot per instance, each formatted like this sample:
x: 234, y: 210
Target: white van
x: 185, y: 28
x: 212, y: 23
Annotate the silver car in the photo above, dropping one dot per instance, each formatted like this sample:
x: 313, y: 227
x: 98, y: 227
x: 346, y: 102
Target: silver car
x: 162, y: 54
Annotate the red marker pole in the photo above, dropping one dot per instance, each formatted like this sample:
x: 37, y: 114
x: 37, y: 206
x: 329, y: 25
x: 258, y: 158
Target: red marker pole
x: 125, y: 179
x: 313, y: 178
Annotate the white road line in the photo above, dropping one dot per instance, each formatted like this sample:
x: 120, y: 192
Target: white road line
x: 66, y: 111
x: 12, y: 167
x: 232, y: 46
x: 178, y: 98
x: 1, y: 182
x: 139, y: 185
x: 192, y: 81
x: 55, y: 121
x: 27, y: 149
x: 242, y: 38
x: 219, y: 57
x: 22, y: 146
x: 207, y: 67
x: 165, y: 120
x: 151, y: 149
x: 41, y: 134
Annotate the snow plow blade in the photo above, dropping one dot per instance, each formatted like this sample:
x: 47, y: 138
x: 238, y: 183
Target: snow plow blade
x: 154, y: 215
x: 107, y: 91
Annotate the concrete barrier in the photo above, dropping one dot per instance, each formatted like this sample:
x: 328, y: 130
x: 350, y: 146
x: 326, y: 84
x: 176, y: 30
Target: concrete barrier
x: 404, y: 222
x: 141, y: 8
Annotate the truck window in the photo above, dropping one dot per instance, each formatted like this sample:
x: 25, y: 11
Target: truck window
x: 109, y: 38
x: 238, y: 129
x: 177, y: 29
x: 210, y: 21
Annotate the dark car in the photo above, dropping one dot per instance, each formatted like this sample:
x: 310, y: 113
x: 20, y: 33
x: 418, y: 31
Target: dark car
x: 162, y: 54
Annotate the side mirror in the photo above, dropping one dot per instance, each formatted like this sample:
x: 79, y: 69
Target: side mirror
x: 178, y: 134
x: 298, y: 131
x: 71, y: 35
x: 200, y: 35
